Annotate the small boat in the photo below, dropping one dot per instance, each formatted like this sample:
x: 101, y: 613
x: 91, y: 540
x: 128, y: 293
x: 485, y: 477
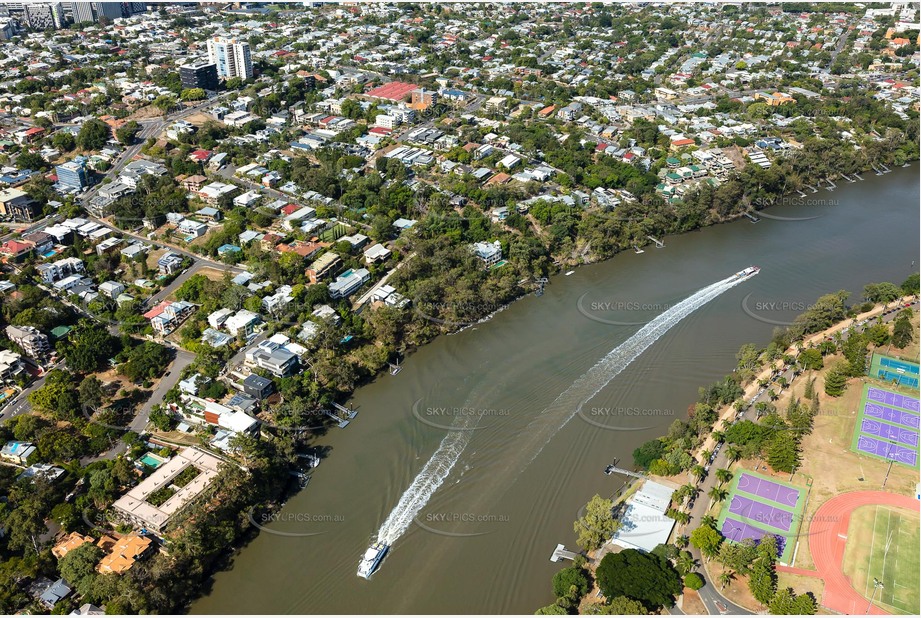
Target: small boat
x: 751, y: 271
x: 372, y: 558
x: 637, y: 250
x: 569, y: 272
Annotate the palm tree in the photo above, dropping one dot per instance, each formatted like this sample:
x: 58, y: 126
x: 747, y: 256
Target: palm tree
x: 706, y: 454
x: 723, y: 475
x: 726, y: 578
x: 738, y: 405
x: 681, y: 517
x: 717, y: 494
x: 690, y: 490
x: 772, y: 395
x: 762, y: 382
x: 686, y: 563
x: 682, y: 541
x: 697, y: 472
x: 733, y: 454
x: 782, y: 381
x: 708, y: 520
x: 718, y: 436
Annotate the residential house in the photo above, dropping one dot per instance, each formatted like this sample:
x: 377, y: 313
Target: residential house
x: 169, y: 263
x: 348, y: 283
x: 168, y: 315
x: 11, y: 366
x: 69, y: 543
x: 191, y: 229
x: 30, y: 340
x: 43, y: 241
x: 16, y: 251
x: 206, y: 412
x: 323, y: 266
x: 112, y: 289
x: 54, y: 593
x: 17, y: 204
x: 55, y: 271
x: 17, y: 452
x: 258, y: 387
x: 275, y: 359
x: 242, y: 323
x: 489, y: 252
x: 376, y: 253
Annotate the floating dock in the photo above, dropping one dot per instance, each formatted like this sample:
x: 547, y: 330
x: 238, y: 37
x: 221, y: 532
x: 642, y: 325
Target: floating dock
x: 612, y: 469
x: 659, y: 243
x: 751, y: 217
x: 340, y: 422
x: 561, y: 553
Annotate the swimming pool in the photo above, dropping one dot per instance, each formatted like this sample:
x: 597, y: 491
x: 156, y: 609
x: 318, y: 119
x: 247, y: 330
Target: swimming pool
x: 151, y: 460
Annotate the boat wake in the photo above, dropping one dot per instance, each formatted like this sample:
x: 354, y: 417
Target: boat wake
x: 542, y: 429
x: 429, y: 479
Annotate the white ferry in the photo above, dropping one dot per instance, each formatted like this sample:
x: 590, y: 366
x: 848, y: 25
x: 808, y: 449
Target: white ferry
x: 372, y: 559
x: 751, y: 271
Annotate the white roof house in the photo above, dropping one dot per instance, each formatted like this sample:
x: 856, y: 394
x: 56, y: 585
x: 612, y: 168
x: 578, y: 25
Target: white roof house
x: 376, y: 253
x: 644, y: 524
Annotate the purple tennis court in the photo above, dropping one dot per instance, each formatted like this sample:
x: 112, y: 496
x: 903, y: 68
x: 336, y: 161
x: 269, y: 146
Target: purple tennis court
x: 887, y: 450
x: 758, y: 512
x: 891, y: 414
x: 768, y: 490
x: 735, y: 530
x: 889, y: 432
x: 894, y: 399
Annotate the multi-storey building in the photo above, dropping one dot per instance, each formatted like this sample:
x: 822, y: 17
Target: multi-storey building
x: 231, y: 56
x: 199, y: 75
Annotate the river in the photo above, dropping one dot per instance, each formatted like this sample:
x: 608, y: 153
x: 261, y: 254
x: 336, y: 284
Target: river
x: 482, y: 542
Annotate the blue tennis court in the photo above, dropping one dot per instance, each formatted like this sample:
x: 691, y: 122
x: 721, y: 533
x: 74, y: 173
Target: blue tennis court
x: 894, y: 370
x: 898, y: 365
x: 898, y: 378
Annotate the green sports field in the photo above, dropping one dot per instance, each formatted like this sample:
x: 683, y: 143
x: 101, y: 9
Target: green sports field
x: 883, y: 544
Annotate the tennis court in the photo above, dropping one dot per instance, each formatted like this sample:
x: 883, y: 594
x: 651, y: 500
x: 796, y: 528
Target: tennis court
x: 897, y: 371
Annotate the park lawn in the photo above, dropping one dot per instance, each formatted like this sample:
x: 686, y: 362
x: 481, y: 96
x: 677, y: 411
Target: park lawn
x: 801, y: 583
x: 882, y: 544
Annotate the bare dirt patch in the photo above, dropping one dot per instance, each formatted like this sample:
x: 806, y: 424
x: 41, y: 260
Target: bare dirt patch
x: 691, y: 603
x: 145, y: 113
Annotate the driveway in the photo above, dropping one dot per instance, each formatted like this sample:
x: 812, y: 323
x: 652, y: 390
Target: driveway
x: 183, y: 359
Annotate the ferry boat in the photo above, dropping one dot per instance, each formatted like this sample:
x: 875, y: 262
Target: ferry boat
x: 372, y: 559
x: 751, y: 271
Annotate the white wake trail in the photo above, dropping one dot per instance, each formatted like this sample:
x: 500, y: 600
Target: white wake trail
x: 542, y: 429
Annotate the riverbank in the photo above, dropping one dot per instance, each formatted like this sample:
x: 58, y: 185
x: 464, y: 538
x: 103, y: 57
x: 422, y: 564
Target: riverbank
x: 505, y: 509
x: 771, y: 370
x: 830, y: 439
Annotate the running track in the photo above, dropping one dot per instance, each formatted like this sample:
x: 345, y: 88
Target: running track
x: 827, y: 536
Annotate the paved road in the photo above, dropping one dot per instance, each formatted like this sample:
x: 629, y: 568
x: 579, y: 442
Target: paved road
x: 35, y: 227
x: 839, y: 47
x: 20, y: 403
x: 711, y: 597
x: 151, y: 127
x: 182, y: 278
x: 183, y: 359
